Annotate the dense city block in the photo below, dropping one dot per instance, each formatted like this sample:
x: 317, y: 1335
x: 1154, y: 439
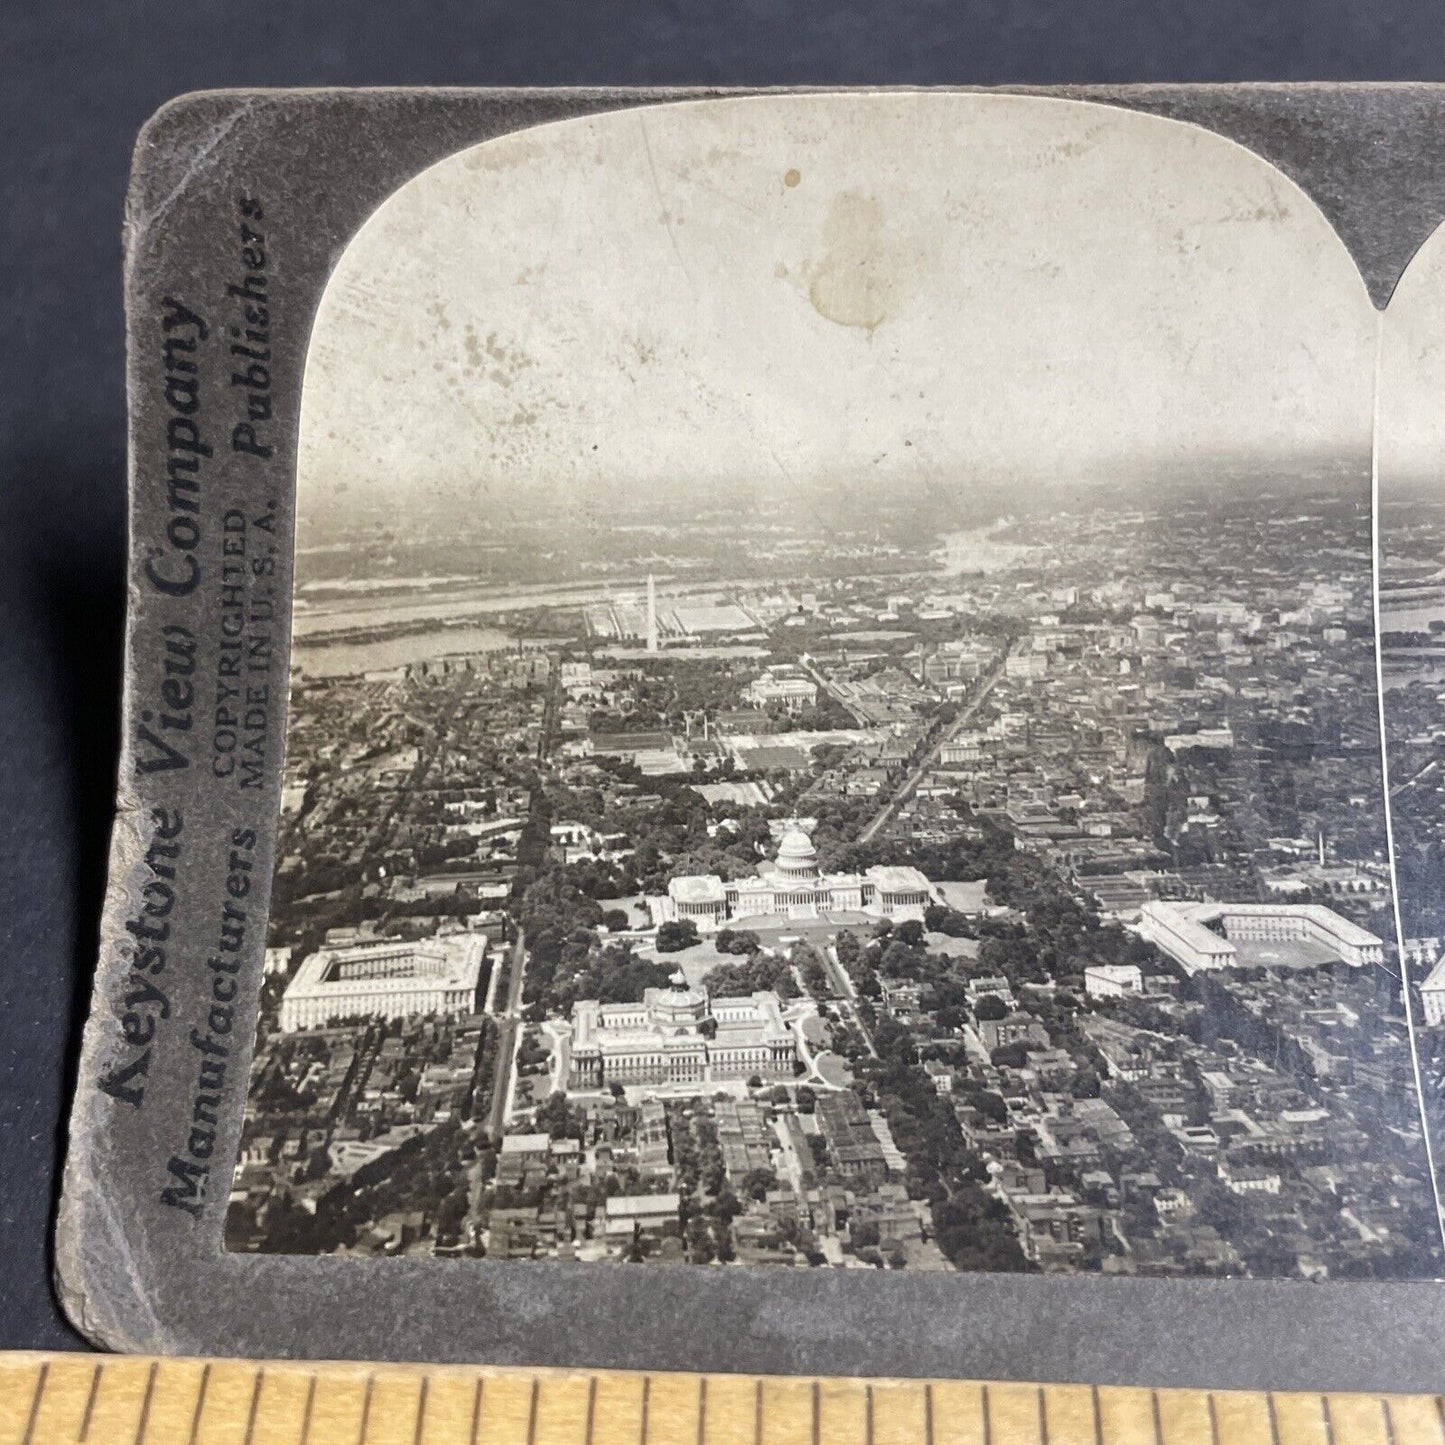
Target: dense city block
x: 1412, y: 639
x: 872, y: 889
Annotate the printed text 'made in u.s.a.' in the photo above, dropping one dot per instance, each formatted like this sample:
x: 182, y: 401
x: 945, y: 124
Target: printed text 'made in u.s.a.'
x: 246, y: 606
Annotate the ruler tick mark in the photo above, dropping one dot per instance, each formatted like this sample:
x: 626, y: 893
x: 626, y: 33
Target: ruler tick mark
x: 90, y: 1401
x: 1273, y: 1419
x: 1154, y: 1410
x: 200, y: 1404
x: 477, y: 1409
x: 1389, y: 1420
x: 817, y: 1431
x: 758, y: 1413
x: 1328, y: 1420
x: 927, y: 1413
x: 255, y: 1401
x: 868, y: 1414
x: 701, y: 1411
x: 1043, y: 1407
x: 642, y: 1423
x: 145, y: 1404
x: 532, y: 1410
x: 35, y: 1404
x: 306, y: 1414
x: 1213, y: 1420
x: 420, y: 1410
x: 591, y: 1407
x: 366, y: 1410
x: 986, y: 1416
x: 1098, y: 1415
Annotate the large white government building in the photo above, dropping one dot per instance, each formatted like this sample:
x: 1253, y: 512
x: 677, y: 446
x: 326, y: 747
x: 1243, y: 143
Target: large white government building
x: 679, y: 1036
x: 1203, y: 936
x: 793, y: 886
x: 1432, y: 994
x: 387, y: 979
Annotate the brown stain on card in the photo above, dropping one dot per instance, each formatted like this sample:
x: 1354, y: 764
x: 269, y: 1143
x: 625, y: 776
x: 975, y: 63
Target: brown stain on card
x: 855, y: 283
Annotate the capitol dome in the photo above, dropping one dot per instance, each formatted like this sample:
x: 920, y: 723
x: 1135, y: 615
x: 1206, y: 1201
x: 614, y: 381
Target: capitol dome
x: 796, y: 855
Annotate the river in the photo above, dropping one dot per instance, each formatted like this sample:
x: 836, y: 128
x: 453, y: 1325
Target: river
x: 346, y: 659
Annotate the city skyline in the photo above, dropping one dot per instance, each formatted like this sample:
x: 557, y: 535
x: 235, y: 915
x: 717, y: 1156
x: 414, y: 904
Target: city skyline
x: 1046, y: 760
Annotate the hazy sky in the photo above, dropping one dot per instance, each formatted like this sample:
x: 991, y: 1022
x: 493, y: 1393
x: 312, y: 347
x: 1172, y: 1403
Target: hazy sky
x: 1412, y: 376
x: 810, y: 286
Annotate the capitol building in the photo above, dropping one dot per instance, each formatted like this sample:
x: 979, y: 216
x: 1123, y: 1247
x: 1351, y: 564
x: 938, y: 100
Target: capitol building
x: 792, y: 886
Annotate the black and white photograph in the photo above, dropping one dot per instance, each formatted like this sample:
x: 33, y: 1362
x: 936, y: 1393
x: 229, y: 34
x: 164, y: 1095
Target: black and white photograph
x: 1411, y: 509
x: 834, y: 719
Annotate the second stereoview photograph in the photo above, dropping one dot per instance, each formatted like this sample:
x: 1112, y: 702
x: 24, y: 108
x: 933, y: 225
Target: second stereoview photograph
x: 834, y: 716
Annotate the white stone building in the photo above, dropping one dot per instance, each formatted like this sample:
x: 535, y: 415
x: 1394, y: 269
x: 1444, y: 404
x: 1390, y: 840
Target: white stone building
x: 793, y: 886
x: 679, y: 1036
x: 1112, y: 980
x: 1203, y: 936
x: 1432, y: 994
x: 387, y: 979
x: 791, y: 687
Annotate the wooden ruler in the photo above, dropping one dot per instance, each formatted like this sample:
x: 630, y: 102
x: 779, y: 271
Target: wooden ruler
x: 116, y: 1400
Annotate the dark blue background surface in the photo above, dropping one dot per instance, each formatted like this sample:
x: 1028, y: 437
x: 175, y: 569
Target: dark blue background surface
x: 76, y: 83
